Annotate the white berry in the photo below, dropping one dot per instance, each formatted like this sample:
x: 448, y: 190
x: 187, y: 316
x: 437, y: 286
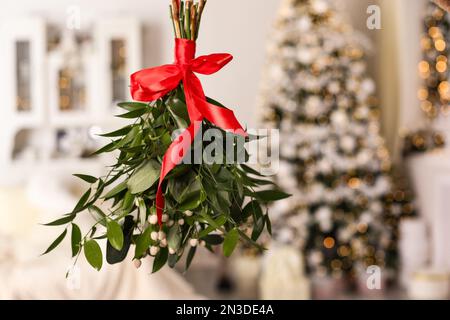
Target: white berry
x: 170, y: 223
x: 161, y: 235
x: 181, y: 222
x: 154, y: 250
x: 171, y: 251
x: 137, y: 263
x: 193, y: 242
x: 163, y: 243
x: 165, y: 218
x: 154, y: 235
x: 153, y: 219
x: 189, y: 213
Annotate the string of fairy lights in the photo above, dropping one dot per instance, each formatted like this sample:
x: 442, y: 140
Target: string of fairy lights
x: 434, y: 70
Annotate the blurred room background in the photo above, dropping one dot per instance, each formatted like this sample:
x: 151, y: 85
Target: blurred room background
x: 64, y: 65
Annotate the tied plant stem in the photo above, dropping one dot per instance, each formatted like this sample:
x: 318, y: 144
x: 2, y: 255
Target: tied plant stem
x: 186, y: 18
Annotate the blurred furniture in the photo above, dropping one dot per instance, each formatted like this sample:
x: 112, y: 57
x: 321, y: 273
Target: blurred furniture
x: 429, y: 285
x: 283, y: 275
x: 431, y: 177
x: 245, y: 271
x: 59, y: 90
x: 414, y: 248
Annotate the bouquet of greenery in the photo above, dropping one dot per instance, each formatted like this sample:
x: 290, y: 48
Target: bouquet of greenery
x: 164, y: 209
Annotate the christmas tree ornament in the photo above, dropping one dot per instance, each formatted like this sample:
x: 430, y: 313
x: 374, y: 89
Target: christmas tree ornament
x: 160, y: 197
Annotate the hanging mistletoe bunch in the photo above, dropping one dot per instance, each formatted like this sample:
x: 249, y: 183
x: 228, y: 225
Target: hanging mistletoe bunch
x: 158, y: 204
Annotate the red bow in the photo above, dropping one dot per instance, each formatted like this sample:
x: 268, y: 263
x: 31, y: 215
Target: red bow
x: 154, y: 83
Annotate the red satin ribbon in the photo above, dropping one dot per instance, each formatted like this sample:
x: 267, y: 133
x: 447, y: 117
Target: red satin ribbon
x: 154, y: 83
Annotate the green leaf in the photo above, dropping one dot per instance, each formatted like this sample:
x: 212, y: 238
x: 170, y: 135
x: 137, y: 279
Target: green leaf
x: 174, y: 238
x: 75, y: 239
x: 56, y: 243
x: 261, y: 182
x: 230, y: 242
x: 116, y: 190
x: 268, y: 224
x: 61, y: 221
x: 114, y: 256
x: 108, y: 148
x: 213, y: 239
x: 270, y: 195
x: 130, y: 106
x: 253, y: 208
x: 80, y: 205
x: 142, y: 242
x: 240, y: 188
x: 250, y: 241
x: 144, y: 177
x: 218, y: 223
x: 209, y: 220
x: 142, y: 209
x: 172, y: 260
x: 98, y: 215
x: 190, y: 257
x: 250, y: 170
x: 258, y: 227
x: 128, y: 202
x: 166, y: 139
x: 185, y: 187
x: 133, y: 114
x: 178, y: 110
x: 118, y: 133
x: 88, y: 179
x: 93, y: 254
x: 115, y: 234
x: 128, y: 138
x: 191, y: 204
x: 160, y: 259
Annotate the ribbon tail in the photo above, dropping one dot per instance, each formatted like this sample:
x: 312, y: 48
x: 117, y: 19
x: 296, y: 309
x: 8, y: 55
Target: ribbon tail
x: 223, y: 118
x: 219, y: 116
x: 174, y: 156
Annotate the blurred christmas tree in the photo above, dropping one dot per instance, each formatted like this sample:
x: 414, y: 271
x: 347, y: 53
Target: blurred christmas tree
x: 344, y: 211
x: 434, y: 94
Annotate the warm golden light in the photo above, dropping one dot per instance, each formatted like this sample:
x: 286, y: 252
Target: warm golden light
x: 441, y: 66
x: 440, y: 45
x: 424, y: 67
x: 344, y: 251
x: 328, y: 242
x: 434, y: 32
x: 336, y: 264
x: 362, y: 228
x: 354, y: 183
x: 441, y: 58
x: 444, y: 88
x: 422, y: 94
x: 426, y: 106
x: 425, y: 43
